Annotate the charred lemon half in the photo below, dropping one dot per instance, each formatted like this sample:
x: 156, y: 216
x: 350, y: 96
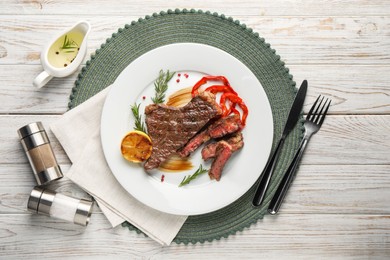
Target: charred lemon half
x: 136, y: 146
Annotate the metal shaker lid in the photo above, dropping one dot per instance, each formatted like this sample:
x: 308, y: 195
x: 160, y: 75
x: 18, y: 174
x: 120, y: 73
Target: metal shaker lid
x: 83, y: 212
x: 48, y: 175
x: 30, y: 129
x: 40, y: 201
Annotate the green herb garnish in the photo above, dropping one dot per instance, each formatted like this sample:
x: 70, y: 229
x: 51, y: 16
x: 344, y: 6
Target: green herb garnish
x: 69, y: 45
x: 187, y: 179
x: 139, y: 124
x: 161, y: 86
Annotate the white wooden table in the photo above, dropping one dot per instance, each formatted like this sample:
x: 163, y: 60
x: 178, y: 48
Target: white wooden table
x: 338, y: 206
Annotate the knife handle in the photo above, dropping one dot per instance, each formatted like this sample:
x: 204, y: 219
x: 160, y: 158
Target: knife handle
x: 267, y: 174
x: 288, y: 177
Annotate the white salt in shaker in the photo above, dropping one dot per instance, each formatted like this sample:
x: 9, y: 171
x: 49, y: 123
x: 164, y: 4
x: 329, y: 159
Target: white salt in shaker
x: 56, y: 205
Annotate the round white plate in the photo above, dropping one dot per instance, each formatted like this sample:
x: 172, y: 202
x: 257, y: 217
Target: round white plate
x: 135, y: 84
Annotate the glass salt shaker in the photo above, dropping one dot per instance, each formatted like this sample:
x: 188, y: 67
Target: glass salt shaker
x: 60, y: 206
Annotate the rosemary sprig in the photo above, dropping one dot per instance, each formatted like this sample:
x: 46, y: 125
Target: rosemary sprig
x: 69, y: 45
x: 187, y: 179
x: 139, y: 124
x: 161, y: 86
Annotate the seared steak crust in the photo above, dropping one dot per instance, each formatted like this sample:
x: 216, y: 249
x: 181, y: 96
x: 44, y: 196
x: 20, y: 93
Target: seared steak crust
x: 235, y: 141
x: 223, y: 153
x: 170, y: 128
x: 217, y: 129
x: 225, y: 126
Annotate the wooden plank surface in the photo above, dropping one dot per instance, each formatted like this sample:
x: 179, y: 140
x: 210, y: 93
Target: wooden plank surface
x: 317, y: 189
x: 337, y: 207
x: 290, y: 235
x: 322, y: 40
x: 246, y: 7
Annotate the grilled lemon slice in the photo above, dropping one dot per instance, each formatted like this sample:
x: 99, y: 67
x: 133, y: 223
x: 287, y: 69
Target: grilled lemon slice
x: 136, y: 146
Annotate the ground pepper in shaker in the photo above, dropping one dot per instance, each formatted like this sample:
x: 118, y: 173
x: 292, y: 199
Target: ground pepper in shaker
x: 60, y: 206
x: 37, y: 147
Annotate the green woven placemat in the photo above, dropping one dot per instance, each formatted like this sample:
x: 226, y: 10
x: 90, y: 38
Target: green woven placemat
x: 231, y: 36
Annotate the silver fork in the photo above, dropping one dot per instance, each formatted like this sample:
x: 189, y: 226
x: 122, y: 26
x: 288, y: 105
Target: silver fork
x: 313, y: 122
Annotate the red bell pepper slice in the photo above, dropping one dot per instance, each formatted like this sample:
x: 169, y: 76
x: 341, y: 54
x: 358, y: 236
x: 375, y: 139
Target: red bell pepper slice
x: 219, y: 88
x: 235, y: 100
x: 205, y: 79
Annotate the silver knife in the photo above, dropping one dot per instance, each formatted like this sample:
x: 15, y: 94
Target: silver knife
x: 292, y: 119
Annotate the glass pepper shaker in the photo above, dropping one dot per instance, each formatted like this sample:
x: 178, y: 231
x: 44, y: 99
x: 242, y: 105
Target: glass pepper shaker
x: 39, y: 152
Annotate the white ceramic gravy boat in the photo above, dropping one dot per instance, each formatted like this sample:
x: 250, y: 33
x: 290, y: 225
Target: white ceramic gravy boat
x: 64, y: 54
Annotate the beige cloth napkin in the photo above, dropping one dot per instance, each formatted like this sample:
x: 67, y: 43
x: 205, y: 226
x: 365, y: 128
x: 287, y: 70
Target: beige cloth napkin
x: 78, y: 131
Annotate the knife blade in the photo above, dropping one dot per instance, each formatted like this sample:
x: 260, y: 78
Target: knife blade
x: 292, y: 119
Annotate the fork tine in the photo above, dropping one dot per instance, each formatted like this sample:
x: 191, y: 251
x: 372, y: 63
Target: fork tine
x: 316, y: 114
x: 312, y: 108
x: 319, y: 115
x: 325, y: 112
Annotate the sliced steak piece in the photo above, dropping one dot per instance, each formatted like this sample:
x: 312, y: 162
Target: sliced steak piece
x: 219, y: 128
x: 225, y: 126
x: 170, y: 128
x: 194, y: 143
x: 223, y: 153
x: 235, y: 140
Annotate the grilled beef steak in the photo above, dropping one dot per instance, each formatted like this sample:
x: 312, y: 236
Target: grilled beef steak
x: 235, y: 141
x: 225, y: 126
x: 170, y: 128
x: 223, y: 153
x: 219, y: 128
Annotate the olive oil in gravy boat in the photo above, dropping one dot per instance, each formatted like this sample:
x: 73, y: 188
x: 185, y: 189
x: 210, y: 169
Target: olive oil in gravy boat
x: 63, y: 55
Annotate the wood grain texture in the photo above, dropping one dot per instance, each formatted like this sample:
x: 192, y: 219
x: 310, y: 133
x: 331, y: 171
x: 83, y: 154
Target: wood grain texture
x: 284, y: 236
x: 317, y: 188
x: 20, y: 96
x: 229, y: 7
x: 354, y: 89
x: 12, y: 150
x: 307, y: 40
